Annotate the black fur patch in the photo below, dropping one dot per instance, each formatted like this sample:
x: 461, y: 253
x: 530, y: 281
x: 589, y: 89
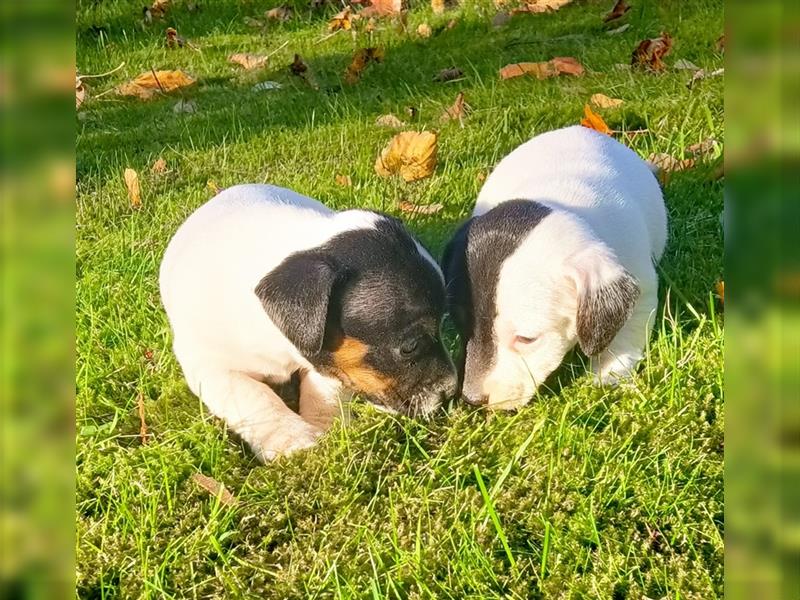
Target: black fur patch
x: 603, y: 311
x: 471, y: 264
x: 382, y: 292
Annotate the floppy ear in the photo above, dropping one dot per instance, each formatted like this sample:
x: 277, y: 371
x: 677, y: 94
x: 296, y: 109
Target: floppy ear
x: 607, y: 294
x: 295, y: 296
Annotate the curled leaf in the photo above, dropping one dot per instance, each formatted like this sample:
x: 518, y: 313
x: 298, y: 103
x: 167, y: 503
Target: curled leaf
x: 343, y: 20
x: 542, y: 70
x: 132, y: 184
x: 361, y: 59
x: 80, y: 93
x: 249, y: 61
x: 603, y: 101
x: 411, y: 154
x: 147, y: 84
x: 594, y: 121
x: 457, y: 111
x: 389, y: 121
x: 619, y: 9
x: 215, y: 488
x: 649, y: 53
x: 419, y: 209
x: 720, y: 290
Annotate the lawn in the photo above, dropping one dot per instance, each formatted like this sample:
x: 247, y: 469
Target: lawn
x: 585, y: 493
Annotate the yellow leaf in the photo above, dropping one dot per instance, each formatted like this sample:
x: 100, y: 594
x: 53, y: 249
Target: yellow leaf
x: 594, y: 121
x: 343, y: 180
x: 159, y: 167
x: 382, y: 8
x: 424, y: 30
x: 362, y: 58
x: 437, y: 6
x: 537, y: 6
x: 132, y: 183
x: 603, y: 101
x: 147, y: 84
x: 419, y: 209
x: 343, y: 20
x: 542, y: 70
x: 249, y: 61
x: 212, y: 185
x: 720, y: 289
x: 389, y: 121
x: 411, y: 154
x: 80, y: 93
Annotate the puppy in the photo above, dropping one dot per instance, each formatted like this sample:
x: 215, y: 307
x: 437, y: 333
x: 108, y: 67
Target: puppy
x: 560, y: 250
x: 261, y: 283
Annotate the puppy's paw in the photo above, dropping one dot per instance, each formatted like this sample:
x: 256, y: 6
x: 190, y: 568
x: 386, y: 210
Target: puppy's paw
x: 285, y: 440
x: 614, y: 370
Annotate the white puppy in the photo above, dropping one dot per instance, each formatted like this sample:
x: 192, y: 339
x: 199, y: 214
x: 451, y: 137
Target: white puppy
x: 560, y: 250
x: 261, y: 283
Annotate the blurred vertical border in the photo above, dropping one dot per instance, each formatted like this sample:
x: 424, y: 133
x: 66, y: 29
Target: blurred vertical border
x: 37, y: 179
x: 762, y: 266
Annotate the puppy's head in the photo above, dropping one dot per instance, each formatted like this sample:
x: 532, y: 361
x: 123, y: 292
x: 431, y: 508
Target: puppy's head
x: 366, y: 307
x: 525, y: 284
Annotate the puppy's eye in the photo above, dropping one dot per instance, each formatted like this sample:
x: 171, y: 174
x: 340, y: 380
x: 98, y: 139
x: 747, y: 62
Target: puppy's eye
x: 409, y: 348
x: 524, y: 340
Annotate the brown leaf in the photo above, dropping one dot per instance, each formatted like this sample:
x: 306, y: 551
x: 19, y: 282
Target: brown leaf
x: 457, y: 111
x: 543, y: 70
x: 159, y: 167
x: 280, y: 14
x: 703, y: 74
x: 670, y: 164
x: 298, y: 67
x: 411, y: 154
x: 603, y: 101
x: 620, y: 8
x: 215, y: 488
x: 383, y: 8
x: 720, y: 43
x: 649, y: 53
x: 501, y: 19
x: 594, y: 121
x: 132, y: 183
x: 720, y: 290
x: 159, y: 8
x: 343, y: 20
x: 419, y: 209
x: 424, y: 30
x: 449, y: 74
x: 147, y: 84
x: 450, y: 24
x: 389, y: 121
x: 80, y: 93
x: 539, y: 6
x: 249, y: 61
x: 703, y: 149
x: 142, y: 422
x: 343, y: 180
x: 361, y: 59
x: 437, y: 6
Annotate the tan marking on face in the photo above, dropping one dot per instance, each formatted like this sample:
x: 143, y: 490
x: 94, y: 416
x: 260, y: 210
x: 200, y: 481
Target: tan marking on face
x: 349, y: 360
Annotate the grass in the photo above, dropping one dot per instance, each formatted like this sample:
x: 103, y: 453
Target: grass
x: 586, y: 492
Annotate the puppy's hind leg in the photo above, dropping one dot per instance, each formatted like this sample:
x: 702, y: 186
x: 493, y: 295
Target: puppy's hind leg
x: 322, y: 399
x: 253, y: 411
x: 618, y: 362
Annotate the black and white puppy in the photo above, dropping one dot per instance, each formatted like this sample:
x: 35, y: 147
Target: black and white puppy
x: 261, y: 282
x: 560, y: 250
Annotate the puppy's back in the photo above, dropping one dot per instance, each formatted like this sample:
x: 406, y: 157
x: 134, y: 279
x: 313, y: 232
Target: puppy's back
x: 589, y: 174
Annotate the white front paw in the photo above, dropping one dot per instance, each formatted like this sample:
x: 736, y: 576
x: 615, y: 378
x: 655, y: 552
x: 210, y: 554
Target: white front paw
x: 282, y: 441
x: 614, y: 370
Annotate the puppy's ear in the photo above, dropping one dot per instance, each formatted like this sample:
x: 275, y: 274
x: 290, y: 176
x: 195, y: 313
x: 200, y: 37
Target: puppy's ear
x: 295, y: 296
x: 607, y: 294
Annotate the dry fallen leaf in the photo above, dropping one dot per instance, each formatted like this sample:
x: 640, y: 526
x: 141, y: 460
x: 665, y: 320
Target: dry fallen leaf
x: 542, y: 70
x: 254, y: 23
x: 249, y: 61
x: 389, y: 121
x: 142, y: 422
x: 619, y: 29
x: 649, y: 53
x: 298, y: 67
x: 685, y: 65
x: 80, y: 93
x: 132, y: 183
x: 720, y: 43
x: 382, y: 8
x: 159, y: 167
x: 424, y: 30
x: 603, y: 101
x: 449, y: 74
x: 419, y: 209
x: 215, y: 488
x: 159, y: 8
x: 620, y: 8
x: 703, y: 74
x: 437, y: 6
x: 457, y: 111
x: 720, y: 289
x: 539, y: 6
x: 147, y: 84
x: 594, y: 121
x: 703, y: 149
x: 668, y: 163
x: 212, y: 185
x: 361, y: 59
x: 343, y: 180
x: 411, y: 154
x: 343, y: 20
x: 450, y: 24
x: 280, y: 13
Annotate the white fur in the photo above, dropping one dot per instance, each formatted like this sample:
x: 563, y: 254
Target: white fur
x: 608, y: 215
x: 223, y: 338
